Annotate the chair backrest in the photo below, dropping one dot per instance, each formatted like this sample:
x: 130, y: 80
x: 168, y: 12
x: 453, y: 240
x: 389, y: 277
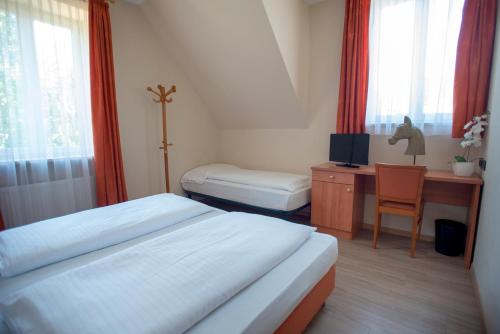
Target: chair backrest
x: 399, y: 183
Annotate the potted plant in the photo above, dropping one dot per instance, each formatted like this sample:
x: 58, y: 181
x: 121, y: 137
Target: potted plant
x: 463, y: 165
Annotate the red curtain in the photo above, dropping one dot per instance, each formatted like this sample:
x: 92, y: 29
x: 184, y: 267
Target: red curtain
x: 110, y: 180
x: 353, y: 90
x: 2, y: 225
x: 473, y: 64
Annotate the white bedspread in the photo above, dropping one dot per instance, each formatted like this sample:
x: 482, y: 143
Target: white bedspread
x: 164, y: 285
x: 257, y: 178
x: 49, y: 241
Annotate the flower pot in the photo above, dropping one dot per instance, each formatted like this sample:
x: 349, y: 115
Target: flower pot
x: 463, y: 168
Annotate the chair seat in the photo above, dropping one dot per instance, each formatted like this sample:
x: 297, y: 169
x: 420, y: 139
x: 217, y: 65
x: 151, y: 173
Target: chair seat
x: 397, y: 208
x: 398, y: 205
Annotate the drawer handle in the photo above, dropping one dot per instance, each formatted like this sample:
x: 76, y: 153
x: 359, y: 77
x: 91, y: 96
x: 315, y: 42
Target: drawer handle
x: 331, y: 176
x: 348, y: 190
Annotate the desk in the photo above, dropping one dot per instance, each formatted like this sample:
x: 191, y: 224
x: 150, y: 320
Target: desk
x: 338, y: 198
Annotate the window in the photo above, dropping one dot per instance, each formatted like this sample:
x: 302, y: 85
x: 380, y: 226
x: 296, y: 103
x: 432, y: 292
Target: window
x: 44, y: 80
x: 412, y: 64
x: 46, y: 149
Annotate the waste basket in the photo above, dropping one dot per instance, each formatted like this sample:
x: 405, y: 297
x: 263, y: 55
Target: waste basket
x: 450, y: 237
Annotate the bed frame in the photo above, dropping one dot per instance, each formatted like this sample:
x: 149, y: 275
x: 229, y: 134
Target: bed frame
x: 302, y: 315
x: 264, y: 211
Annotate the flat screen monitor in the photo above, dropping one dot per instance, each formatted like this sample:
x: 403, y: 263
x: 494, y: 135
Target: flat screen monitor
x: 350, y: 150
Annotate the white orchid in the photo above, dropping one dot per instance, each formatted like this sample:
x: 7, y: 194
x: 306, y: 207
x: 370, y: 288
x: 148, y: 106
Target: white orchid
x: 473, y: 135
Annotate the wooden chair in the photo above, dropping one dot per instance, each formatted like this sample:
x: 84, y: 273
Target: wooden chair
x: 399, y: 192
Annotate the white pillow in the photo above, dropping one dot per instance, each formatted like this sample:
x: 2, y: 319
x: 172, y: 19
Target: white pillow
x: 200, y: 174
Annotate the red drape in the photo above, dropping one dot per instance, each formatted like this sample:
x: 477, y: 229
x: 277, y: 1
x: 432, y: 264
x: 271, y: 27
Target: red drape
x: 473, y: 63
x: 2, y: 225
x: 353, y: 90
x: 110, y: 180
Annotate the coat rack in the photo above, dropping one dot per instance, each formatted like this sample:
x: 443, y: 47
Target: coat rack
x: 163, y: 99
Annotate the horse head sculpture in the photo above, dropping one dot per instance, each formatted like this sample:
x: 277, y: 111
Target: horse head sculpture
x: 416, y: 139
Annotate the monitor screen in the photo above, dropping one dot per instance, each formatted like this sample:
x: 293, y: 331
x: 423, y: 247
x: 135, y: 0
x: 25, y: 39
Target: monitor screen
x: 350, y: 148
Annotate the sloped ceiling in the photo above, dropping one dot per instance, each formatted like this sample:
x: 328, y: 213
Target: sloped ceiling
x: 230, y: 53
x: 290, y: 22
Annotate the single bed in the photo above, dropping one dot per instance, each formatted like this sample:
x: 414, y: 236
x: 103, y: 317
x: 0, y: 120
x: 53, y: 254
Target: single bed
x: 281, y: 193
x: 283, y: 300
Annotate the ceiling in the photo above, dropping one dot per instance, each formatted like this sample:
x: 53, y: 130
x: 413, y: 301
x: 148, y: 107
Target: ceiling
x: 232, y: 56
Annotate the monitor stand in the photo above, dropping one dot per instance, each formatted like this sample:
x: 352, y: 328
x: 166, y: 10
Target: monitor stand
x: 347, y: 165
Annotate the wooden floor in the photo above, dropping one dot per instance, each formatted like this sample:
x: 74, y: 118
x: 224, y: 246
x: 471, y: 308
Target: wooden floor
x: 385, y: 291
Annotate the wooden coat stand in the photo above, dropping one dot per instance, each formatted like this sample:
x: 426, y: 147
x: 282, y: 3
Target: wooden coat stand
x: 163, y: 99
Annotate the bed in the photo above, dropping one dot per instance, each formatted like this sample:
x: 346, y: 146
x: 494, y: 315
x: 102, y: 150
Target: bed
x: 281, y: 193
x: 282, y: 300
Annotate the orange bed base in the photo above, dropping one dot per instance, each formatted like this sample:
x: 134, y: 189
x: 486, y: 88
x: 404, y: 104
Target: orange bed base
x: 298, y: 320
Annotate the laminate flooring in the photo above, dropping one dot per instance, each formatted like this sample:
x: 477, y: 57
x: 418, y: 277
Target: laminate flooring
x: 386, y: 291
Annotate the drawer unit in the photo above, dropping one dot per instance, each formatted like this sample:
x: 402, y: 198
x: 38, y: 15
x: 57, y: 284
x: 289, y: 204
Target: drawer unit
x: 337, y: 203
x: 334, y: 177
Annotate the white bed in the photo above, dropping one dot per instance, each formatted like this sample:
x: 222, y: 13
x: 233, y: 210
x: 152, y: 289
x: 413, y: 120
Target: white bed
x: 273, y: 199
x: 11, y: 284
x: 259, y: 308
x: 268, y: 190
x: 265, y: 304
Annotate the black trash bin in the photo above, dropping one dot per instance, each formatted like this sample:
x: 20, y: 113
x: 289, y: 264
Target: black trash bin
x: 450, y: 237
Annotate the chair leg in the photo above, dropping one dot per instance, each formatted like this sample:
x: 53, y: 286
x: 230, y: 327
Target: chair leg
x: 420, y: 223
x: 376, y: 228
x: 421, y: 219
x: 414, y: 236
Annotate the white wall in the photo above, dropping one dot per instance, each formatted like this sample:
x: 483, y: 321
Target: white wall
x: 228, y: 50
x: 141, y: 61
x: 486, y: 264
x: 290, y: 22
x: 296, y: 150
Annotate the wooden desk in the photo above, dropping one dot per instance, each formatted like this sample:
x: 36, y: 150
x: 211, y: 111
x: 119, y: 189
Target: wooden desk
x: 338, y: 201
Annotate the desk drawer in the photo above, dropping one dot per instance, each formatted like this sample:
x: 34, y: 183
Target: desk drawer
x: 344, y: 178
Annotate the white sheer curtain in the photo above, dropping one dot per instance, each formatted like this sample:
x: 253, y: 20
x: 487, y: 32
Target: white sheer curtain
x: 412, y: 52
x: 46, y: 151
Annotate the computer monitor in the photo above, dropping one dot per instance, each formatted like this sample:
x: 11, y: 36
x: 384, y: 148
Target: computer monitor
x: 350, y: 150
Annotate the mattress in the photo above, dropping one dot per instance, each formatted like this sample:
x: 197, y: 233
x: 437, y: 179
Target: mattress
x: 10, y: 284
x: 260, y: 308
x: 264, y: 306
x: 42, y: 243
x: 266, y: 198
